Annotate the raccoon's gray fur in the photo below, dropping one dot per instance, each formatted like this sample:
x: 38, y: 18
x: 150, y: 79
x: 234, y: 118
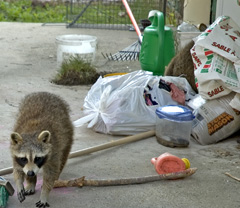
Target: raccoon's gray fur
x: 182, y: 64
x: 42, y: 138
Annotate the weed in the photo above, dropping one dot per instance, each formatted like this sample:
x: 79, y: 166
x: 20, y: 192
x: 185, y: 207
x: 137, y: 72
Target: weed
x: 27, y: 11
x: 75, y: 71
x: 98, y: 13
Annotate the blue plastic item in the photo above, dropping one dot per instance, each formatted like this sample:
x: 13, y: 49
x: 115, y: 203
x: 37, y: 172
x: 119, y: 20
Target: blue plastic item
x: 175, y: 113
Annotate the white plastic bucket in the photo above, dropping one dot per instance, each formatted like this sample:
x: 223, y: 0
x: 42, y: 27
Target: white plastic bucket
x: 82, y: 46
x: 186, y: 37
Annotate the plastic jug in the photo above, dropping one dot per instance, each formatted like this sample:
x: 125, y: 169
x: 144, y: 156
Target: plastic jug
x: 168, y: 163
x: 157, y: 48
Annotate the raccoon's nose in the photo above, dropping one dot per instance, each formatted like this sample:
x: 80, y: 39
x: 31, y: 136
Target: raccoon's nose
x: 30, y: 173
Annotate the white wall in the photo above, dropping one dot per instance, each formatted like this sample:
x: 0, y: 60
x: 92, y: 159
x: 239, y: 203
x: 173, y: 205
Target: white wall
x: 197, y: 11
x: 229, y: 8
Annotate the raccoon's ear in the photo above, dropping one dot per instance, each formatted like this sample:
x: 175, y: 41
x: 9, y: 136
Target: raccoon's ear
x: 44, y: 137
x: 16, y: 138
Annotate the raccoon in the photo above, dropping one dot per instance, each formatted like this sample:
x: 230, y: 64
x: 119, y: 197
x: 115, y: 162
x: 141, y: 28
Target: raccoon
x: 42, y: 138
x: 182, y: 64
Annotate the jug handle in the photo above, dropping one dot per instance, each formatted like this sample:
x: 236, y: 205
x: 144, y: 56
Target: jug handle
x: 158, y: 22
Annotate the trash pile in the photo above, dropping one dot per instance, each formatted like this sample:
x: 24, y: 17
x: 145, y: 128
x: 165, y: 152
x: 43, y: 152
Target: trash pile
x: 216, y: 58
x: 127, y: 104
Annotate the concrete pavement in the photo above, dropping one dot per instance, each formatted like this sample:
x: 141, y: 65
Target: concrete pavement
x: 27, y: 64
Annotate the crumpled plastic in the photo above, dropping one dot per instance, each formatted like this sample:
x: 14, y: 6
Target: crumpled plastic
x: 116, y: 104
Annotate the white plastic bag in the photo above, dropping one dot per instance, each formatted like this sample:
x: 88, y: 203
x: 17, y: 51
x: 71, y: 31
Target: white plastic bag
x: 216, y: 57
x: 115, y: 104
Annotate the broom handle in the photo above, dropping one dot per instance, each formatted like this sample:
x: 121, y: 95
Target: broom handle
x: 6, y: 171
x: 135, y: 25
x: 125, y: 140
x: 78, y: 153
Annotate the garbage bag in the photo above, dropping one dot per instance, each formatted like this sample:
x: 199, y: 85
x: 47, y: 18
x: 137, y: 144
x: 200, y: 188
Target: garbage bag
x: 117, y: 105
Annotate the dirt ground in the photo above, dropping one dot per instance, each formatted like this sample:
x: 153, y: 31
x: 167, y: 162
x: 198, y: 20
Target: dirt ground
x: 27, y: 64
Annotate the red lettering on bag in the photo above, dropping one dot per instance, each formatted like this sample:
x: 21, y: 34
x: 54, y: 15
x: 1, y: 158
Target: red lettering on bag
x: 237, y: 33
x: 233, y: 53
x: 195, y: 67
x: 221, y: 47
x: 233, y: 37
x: 226, y: 27
x: 215, y: 91
x: 194, y: 55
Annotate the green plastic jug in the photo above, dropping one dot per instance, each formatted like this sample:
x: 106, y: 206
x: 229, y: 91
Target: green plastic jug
x: 157, y: 48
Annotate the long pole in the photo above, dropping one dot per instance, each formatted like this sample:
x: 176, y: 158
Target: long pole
x: 86, y: 151
x: 132, y: 18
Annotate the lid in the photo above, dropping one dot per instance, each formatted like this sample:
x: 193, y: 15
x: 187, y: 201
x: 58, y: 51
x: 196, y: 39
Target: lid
x: 75, y: 39
x: 175, y: 113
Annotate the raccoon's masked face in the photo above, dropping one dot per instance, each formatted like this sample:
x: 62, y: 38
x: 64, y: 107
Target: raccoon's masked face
x: 31, y: 156
x: 31, y: 164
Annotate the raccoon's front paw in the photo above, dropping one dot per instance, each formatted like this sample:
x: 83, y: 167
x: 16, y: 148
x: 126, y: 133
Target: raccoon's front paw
x: 41, y: 204
x: 21, y: 195
x: 29, y: 192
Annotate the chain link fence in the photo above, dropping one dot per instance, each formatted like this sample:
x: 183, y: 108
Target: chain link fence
x: 111, y: 14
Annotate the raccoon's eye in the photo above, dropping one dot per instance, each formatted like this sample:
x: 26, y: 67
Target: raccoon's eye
x: 39, y: 161
x: 22, y: 161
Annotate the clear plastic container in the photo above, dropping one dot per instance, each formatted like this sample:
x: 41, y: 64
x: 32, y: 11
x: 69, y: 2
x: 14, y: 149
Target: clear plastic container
x: 81, y: 46
x: 174, y: 125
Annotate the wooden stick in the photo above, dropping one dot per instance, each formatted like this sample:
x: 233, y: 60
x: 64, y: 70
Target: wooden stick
x: 125, y: 140
x: 231, y: 176
x: 78, y: 153
x: 6, y: 171
x: 79, y: 182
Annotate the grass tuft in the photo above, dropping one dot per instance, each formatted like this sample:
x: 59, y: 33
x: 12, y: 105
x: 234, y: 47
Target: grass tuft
x: 75, y: 71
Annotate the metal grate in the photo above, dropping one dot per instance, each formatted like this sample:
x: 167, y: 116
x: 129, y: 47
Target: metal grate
x: 111, y: 14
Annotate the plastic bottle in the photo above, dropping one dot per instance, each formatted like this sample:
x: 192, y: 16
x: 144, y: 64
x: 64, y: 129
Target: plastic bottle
x: 168, y: 163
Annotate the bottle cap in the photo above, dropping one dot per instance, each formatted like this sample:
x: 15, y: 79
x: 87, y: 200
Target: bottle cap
x: 187, y: 162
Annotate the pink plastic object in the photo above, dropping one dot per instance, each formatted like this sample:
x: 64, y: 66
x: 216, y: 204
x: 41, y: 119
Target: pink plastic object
x: 168, y: 163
